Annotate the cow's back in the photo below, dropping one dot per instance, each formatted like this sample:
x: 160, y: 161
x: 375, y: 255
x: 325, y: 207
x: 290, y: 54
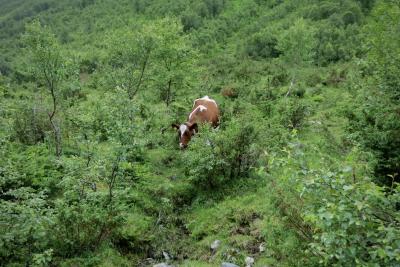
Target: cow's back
x: 210, y: 114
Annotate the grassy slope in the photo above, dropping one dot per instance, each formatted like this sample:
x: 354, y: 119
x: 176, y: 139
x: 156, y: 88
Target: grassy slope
x: 247, y: 216
x: 249, y: 219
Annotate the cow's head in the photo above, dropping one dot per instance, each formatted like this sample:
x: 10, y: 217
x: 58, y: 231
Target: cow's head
x: 185, y: 132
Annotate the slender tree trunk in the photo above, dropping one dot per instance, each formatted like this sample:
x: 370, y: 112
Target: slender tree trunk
x: 111, y: 182
x: 112, y: 178
x: 144, y: 66
x: 168, y: 98
x: 56, y: 129
x: 290, y: 88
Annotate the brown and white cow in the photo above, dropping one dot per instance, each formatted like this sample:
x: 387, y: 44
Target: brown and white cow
x: 204, y: 109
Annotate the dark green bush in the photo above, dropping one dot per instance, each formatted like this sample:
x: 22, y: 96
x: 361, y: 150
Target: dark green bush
x: 218, y: 157
x: 211, y: 8
x: 344, y: 218
x: 25, y: 220
x: 88, y: 65
x: 366, y: 4
x: 375, y: 118
x: 293, y: 112
x: 191, y: 21
x: 262, y: 45
x: 336, y: 43
x: 323, y: 10
x: 346, y: 12
x: 31, y: 125
x: 355, y: 223
x: 5, y: 68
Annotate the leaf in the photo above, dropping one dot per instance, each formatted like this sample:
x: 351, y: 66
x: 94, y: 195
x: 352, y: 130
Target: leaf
x: 348, y: 187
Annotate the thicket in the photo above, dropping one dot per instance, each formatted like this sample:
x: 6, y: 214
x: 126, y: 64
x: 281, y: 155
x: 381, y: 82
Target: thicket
x: 374, y: 122
x: 302, y: 171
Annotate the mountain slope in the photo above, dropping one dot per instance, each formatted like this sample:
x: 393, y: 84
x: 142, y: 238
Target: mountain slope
x: 91, y: 170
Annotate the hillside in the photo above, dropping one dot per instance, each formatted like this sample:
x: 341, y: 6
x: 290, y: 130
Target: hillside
x: 302, y: 170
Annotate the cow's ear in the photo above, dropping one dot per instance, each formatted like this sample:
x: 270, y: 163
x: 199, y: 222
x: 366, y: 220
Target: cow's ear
x: 174, y: 125
x: 193, y: 127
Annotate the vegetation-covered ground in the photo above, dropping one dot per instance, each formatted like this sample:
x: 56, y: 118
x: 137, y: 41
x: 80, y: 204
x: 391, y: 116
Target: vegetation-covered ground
x: 302, y: 171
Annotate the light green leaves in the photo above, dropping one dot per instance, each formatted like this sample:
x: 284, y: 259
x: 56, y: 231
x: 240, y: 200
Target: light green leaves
x: 297, y: 43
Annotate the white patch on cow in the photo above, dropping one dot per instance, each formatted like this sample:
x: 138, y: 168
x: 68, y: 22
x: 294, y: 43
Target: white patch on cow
x: 206, y: 98
x: 209, y: 99
x: 182, y: 129
x: 201, y: 107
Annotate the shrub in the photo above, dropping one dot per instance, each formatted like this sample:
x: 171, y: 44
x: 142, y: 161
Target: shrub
x: 211, y: 8
x: 262, y: 45
x: 218, y: 157
x: 375, y: 118
x: 355, y: 222
x: 30, y: 125
x: 191, y: 21
x: 229, y: 92
x: 366, y: 4
x: 88, y: 65
x: 5, y: 68
x: 346, y: 219
x: 336, y: 43
x: 25, y: 219
x: 322, y: 11
x: 293, y: 113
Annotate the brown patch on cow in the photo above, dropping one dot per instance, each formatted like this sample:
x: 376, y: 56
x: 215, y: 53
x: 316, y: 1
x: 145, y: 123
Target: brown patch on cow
x: 210, y: 115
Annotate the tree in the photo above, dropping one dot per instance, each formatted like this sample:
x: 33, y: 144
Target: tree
x: 175, y: 58
x: 297, y: 45
x: 130, y: 58
x: 49, y: 69
x: 375, y: 121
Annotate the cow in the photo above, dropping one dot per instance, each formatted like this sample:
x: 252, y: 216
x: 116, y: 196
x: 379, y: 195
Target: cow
x: 205, y: 110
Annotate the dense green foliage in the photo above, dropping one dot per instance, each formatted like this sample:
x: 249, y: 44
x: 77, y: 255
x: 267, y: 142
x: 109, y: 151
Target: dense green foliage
x: 302, y: 171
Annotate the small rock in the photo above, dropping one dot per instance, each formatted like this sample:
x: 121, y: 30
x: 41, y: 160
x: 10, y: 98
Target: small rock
x: 249, y: 261
x: 262, y: 247
x: 227, y: 264
x: 166, y: 256
x: 215, y: 245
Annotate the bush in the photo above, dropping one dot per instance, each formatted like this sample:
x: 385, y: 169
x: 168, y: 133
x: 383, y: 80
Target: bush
x: 211, y: 8
x: 191, y: 21
x: 229, y: 91
x: 322, y: 11
x: 293, y: 113
x: 376, y: 125
x: 30, y: 125
x: 25, y: 219
x: 88, y: 65
x: 262, y: 45
x: 355, y: 223
x: 215, y: 158
x: 5, y: 68
x: 346, y: 219
x: 336, y: 43
x: 375, y: 118
x: 366, y: 4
